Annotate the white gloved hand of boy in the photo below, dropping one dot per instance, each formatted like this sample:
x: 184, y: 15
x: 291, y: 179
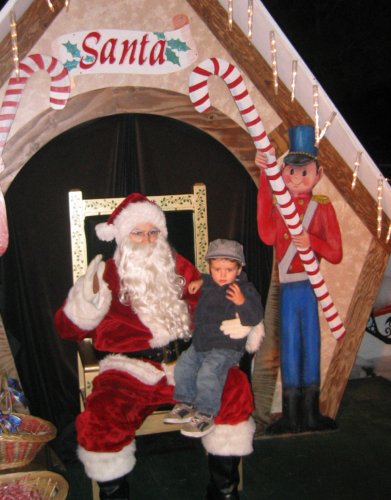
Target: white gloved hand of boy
x: 234, y: 328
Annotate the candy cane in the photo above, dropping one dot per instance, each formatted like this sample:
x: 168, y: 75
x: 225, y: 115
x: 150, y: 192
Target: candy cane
x: 59, y: 94
x: 199, y: 95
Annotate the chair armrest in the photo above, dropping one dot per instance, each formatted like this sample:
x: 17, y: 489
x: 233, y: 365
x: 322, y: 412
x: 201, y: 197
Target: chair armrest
x: 88, y: 368
x: 87, y: 356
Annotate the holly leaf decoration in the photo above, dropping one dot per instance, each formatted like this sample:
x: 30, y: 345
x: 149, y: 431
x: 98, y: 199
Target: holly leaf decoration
x: 88, y: 59
x: 177, y: 45
x: 160, y: 35
x: 171, y: 56
x: 69, y: 65
x: 72, y: 49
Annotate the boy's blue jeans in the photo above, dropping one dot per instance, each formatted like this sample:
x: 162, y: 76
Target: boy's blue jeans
x: 200, y: 377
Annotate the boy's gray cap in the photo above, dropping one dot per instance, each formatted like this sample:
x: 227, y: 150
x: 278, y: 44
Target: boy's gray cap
x: 225, y: 249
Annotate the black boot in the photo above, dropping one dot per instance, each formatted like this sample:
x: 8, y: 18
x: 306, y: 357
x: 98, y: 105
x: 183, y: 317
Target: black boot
x: 290, y: 420
x: 224, y: 478
x: 312, y: 419
x: 116, y: 489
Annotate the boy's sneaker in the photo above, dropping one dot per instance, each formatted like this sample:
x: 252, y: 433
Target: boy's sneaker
x: 199, y: 425
x: 180, y: 414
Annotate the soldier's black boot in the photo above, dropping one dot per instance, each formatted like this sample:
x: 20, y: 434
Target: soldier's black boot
x: 291, y: 406
x: 312, y: 419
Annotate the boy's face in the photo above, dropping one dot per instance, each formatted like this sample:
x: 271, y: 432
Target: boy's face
x: 301, y: 180
x: 224, y: 271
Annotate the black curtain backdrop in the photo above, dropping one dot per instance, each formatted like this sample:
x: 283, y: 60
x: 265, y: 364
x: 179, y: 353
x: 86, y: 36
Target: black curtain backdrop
x: 110, y: 156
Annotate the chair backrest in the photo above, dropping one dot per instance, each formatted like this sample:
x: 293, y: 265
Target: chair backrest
x: 187, y: 225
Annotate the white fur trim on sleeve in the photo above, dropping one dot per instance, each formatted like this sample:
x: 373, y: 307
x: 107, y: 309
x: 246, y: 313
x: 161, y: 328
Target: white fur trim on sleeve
x: 227, y: 440
x: 105, y: 466
x: 142, y: 370
x: 255, y: 338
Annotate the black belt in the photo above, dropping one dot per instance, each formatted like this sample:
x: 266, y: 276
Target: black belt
x: 165, y: 354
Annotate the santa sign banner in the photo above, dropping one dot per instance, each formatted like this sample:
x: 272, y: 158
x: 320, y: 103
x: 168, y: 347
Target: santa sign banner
x: 124, y: 51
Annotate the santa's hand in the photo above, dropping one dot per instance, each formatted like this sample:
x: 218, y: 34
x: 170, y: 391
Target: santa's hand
x: 194, y: 286
x: 86, y: 306
x: 255, y: 337
x: 93, y: 279
x: 234, y: 328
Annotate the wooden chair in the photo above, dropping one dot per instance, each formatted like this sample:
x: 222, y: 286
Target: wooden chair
x: 188, y: 210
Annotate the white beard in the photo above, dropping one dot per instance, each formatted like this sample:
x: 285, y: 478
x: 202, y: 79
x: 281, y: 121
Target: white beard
x: 149, y: 284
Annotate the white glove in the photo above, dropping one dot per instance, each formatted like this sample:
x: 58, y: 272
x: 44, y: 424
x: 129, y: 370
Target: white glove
x: 234, y: 328
x: 85, y: 307
x: 255, y: 337
x: 94, y: 270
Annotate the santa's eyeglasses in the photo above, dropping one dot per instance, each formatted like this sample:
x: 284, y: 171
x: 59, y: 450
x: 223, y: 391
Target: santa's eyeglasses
x: 150, y: 235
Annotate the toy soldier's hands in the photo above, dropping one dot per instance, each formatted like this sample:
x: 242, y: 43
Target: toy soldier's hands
x: 93, y: 279
x: 262, y: 159
x: 234, y: 329
x: 302, y: 240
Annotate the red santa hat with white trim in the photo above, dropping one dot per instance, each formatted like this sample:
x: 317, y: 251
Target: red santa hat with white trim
x: 134, y: 210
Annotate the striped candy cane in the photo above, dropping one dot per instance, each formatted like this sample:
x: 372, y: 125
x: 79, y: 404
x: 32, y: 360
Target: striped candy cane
x: 59, y: 94
x: 199, y: 95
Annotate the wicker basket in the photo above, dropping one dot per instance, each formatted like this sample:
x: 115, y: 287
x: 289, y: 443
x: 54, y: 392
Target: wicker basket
x: 37, y: 485
x: 19, y: 448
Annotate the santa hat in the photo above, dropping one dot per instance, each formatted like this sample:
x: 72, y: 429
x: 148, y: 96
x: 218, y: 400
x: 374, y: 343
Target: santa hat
x: 134, y: 210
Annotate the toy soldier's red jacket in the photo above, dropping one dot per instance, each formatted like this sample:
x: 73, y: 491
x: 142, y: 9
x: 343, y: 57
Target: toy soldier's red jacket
x: 325, y: 235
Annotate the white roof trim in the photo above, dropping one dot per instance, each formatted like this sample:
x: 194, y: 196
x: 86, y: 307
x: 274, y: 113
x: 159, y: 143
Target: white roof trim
x: 19, y: 7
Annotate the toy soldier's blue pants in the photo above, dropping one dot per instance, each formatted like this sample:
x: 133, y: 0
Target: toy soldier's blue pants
x: 299, y: 335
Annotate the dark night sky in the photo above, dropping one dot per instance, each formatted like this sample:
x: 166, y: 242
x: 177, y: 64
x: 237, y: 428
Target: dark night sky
x: 347, y: 46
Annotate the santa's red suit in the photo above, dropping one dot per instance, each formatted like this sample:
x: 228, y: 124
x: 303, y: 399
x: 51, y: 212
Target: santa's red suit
x: 131, y: 384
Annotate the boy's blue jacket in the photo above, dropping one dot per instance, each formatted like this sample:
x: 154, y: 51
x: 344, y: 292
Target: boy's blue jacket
x: 213, y: 307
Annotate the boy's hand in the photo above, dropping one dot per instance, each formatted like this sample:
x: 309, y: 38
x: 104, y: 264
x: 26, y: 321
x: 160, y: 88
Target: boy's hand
x: 194, y: 286
x: 235, y: 295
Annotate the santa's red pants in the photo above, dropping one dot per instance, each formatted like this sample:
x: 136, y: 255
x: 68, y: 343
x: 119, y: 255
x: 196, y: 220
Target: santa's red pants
x: 120, y: 402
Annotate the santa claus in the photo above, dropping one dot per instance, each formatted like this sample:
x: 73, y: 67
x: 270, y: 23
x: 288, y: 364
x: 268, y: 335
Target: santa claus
x: 135, y: 307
